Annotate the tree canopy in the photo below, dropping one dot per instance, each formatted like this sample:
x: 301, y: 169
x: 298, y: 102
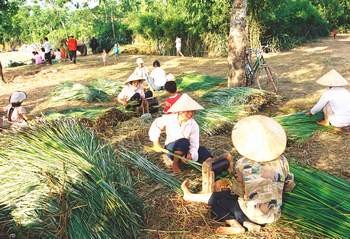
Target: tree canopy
x: 203, y: 25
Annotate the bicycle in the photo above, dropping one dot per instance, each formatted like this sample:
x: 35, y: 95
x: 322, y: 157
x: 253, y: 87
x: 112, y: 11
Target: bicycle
x: 253, y: 71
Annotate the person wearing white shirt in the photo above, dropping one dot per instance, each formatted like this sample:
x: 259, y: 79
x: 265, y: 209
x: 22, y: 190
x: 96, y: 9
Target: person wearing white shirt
x: 47, y: 50
x: 178, y: 46
x: 58, y: 55
x: 133, y: 95
x: 142, y: 70
x: 335, y: 102
x: 182, y: 132
x: 158, y: 76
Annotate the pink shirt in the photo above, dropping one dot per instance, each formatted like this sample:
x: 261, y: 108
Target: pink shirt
x: 38, y: 59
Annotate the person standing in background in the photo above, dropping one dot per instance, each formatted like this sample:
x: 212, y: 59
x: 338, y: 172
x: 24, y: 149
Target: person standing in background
x: 72, y: 45
x: 2, y: 74
x: 178, y: 46
x: 93, y: 44
x: 47, y: 50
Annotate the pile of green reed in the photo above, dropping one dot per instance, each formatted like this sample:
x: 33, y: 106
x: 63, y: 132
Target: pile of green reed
x: 240, y: 96
x: 150, y: 169
x: 78, y: 112
x: 58, y: 180
x: 219, y: 118
x: 319, y: 204
x: 194, y: 82
x: 111, y: 87
x: 299, y: 126
x: 76, y: 91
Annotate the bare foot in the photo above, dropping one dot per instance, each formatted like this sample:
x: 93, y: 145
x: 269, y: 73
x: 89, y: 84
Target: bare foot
x: 252, y: 227
x: 229, y: 230
x: 323, y: 122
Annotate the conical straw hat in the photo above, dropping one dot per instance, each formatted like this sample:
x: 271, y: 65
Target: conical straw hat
x: 18, y: 96
x: 134, y: 77
x: 185, y: 103
x: 332, y: 78
x: 259, y: 138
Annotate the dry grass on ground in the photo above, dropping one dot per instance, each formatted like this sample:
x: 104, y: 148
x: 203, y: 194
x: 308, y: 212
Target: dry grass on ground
x: 167, y: 215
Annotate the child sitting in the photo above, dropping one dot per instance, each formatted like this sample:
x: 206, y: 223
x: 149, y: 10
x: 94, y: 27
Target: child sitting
x: 16, y: 115
x: 133, y: 96
x: 171, y: 88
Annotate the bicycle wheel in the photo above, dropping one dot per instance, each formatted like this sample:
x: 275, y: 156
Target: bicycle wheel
x: 265, y: 80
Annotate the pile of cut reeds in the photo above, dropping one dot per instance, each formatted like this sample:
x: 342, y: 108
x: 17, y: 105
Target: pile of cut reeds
x: 319, y: 205
x: 58, y: 180
x: 78, y: 112
x: 299, y: 126
x: 111, y: 87
x: 194, y: 82
x: 219, y: 118
x: 229, y: 97
x: 76, y: 91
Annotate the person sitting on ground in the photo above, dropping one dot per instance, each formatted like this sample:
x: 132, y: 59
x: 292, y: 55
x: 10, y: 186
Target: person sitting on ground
x: 335, y: 102
x: 262, y: 175
x: 142, y: 70
x: 37, y: 58
x: 42, y: 54
x: 16, y: 114
x: 53, y: 56
x: 158, y: 76
x: 58, y: 55
x: 63, y: 52
x: 133, y: 95
x: 171, y: 89
x: 182, y: 133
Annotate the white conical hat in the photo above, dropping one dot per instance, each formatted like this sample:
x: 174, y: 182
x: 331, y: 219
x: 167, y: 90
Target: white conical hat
x: 134, y: 77
x: 259, y: 138
x: 185, y: 103
x: 18, y: 96
x: 332, y: 78
x: 139, y: 60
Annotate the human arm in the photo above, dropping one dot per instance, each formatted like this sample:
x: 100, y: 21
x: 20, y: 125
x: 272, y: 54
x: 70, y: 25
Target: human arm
x: 289, y: 183
x: 194, y: 142
x: 155, y: 130
x: 321, y: 103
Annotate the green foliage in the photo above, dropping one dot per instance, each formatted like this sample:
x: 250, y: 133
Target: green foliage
x: 58, y: 180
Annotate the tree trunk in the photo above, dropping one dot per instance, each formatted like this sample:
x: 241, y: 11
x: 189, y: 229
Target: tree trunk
x: 237, y: 41
x: 2, y: 74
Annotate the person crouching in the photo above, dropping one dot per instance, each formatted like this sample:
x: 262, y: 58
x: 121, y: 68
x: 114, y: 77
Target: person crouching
x: 133, y: 95
x: 262, y: 175
x: 335, y: 102
x: 16, y: 114
x: 182, y: 133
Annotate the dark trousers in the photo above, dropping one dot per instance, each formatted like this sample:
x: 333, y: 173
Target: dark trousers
x: 73, y: 56
x: 48, y: 58
x: 225, y: 206
x: 183, y: 145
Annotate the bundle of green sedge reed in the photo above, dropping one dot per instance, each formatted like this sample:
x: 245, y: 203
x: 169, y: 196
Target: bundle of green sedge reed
x: 195, y: 82
x: 299, y: 126
x: 77, y: 112
x: 58, y: 180
x: 76, y: 91
x: 111, y: 87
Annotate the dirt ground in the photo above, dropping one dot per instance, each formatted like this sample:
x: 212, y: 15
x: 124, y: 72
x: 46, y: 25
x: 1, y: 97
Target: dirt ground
x: 297, y: 71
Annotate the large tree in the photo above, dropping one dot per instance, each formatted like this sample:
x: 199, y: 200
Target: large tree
x: 237, y: 42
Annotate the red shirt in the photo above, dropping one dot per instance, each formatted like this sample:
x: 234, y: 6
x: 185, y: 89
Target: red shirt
x: 72, y: 44
x: 170, y: 101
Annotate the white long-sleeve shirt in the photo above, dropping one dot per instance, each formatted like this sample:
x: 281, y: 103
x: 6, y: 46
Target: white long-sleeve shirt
x: 158, y: 76
x: 339, y: 100
x: 129, y: 90
x: 174, y: 131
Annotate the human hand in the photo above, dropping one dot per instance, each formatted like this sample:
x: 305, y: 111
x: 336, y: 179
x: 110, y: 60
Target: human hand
x: 157, y: 148
x: 308, y: 113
